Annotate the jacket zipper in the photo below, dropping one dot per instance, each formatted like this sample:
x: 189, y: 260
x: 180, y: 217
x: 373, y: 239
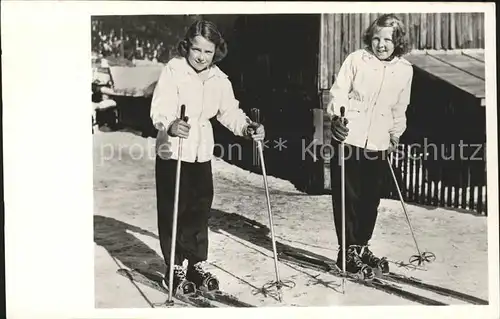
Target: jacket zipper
x: 373, y: 108
x: 201, y: 114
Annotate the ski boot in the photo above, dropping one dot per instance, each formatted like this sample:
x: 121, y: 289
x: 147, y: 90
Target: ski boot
x: 380, y: 265
x: 354, y: 265
x: 181, y: 286
x: 203, y: 279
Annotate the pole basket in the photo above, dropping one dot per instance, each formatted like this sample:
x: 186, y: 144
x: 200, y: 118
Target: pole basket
x: 273, y: 288
x: 425, y: 257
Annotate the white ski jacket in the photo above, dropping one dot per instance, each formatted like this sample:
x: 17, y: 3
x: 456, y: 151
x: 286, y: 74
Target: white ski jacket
x: 376, y: 95
x: 179, y: 84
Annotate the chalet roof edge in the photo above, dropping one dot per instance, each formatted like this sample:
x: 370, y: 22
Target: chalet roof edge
x: 444, y: 51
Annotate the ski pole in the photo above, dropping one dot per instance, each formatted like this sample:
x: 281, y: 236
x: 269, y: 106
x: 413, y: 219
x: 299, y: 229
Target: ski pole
x: 170, y: 302
x: 426, y: 256
x: 278, y: 283
x: 342, y: 196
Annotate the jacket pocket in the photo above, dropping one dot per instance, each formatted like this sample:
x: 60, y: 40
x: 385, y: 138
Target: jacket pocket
x: 358, y: 121
x: 356, y: 107
x: 384, y: 117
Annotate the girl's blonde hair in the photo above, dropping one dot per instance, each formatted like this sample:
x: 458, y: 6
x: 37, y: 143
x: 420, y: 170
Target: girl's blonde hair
x: 401, y: 46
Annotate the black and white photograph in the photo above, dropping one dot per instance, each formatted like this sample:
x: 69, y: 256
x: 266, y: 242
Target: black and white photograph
x: 279, y: 158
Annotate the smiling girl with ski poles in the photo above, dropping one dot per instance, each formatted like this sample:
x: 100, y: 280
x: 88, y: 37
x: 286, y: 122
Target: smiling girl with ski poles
x: 374, y: 85
x: 192, y: 80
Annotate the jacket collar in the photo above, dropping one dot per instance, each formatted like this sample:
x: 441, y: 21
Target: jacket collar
x: 369, y: 57
x: 214, y: 71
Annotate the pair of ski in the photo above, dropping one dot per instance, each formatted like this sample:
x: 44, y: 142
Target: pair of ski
x: 255, y: 113
x: 384, y: 282
x: 200, y: 298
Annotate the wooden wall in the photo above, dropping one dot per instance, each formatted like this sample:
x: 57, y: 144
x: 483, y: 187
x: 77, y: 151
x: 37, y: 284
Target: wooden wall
x: 341, y: 34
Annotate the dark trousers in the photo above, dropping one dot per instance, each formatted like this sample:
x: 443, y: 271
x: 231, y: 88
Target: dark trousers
x: 195, y: 201
x: 363, y: 177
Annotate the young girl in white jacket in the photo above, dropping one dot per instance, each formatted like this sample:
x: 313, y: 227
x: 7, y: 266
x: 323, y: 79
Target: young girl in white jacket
x: 193, y: 80
x: 373, y: 85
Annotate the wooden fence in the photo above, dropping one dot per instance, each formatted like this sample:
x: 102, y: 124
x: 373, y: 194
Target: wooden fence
x: 427, y: 180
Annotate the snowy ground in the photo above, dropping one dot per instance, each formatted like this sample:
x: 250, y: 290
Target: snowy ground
x: 125, y: 235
